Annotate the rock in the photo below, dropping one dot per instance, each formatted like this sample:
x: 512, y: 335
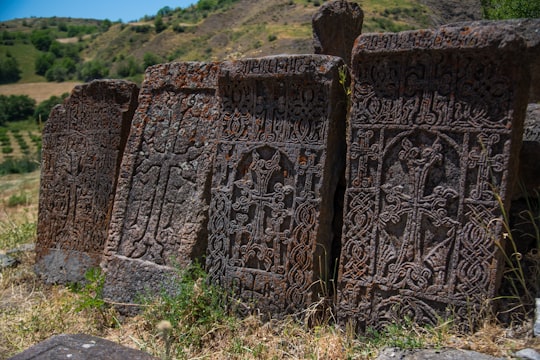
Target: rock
x: 335, y: 27
x: 83, y: 142
x: 432, y: 354
x: 528, y: 354
x: 7, y: 261
x: 418, y: 233
x: 80, y: 347
x: 160, y: 214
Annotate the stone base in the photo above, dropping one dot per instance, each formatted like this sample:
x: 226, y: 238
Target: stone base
x: 65, y: 266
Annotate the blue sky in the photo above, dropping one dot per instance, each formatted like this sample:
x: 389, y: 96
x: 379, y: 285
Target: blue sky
x: 126, y: 10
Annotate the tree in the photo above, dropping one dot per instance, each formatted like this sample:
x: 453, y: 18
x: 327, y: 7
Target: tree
x: 44, y: 108
x: 43, y: 63
x: 150, y: 59
x: 159, y: 24
x: 9, y: 70
x: 41, y: 39
x: 91, y: 70
x: 15, y: 107
x: 510, y: 9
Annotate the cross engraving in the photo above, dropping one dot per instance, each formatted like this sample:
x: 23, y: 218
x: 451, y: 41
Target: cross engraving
x: 261, y: 212
x: 415, y: 265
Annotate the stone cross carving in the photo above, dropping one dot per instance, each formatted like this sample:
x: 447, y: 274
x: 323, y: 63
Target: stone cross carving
x: 160, y: 213
x: 83, y: 142
x: 435, y: 129
x: 274, y: 179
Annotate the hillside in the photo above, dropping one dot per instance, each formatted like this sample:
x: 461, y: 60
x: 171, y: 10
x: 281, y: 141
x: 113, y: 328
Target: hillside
x: 82, y: 49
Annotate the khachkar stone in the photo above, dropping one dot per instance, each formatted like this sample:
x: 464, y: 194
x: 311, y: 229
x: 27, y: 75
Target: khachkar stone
x: 335, y: 27
x: 278, y: 159
x: 435, y: 128
x: 160, y: 214
x: 83, y: 142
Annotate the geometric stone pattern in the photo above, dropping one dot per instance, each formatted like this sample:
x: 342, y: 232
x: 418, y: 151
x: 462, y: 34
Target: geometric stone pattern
x: 434, y: 129
x: 80, y: 347
x: 160, y: 213
x: 83, y: 141
x: 274, y: 179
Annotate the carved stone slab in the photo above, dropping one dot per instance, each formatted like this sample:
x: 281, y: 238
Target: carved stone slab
x: 335, y: 27
x: 274, y: 179
x: 160, y: 213
x: 435, y: 127
x: 80, y: 347
x: 83, y: 141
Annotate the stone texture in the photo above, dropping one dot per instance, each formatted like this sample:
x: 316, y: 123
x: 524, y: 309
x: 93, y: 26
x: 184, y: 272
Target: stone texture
x: 160, y: 212
x: 280, y: 150
x: 80, y: 347
x: 335, y: 27
x: 529, y: 29
x: 432, y: 354
x: 435, y: 126
x: 83, y: 141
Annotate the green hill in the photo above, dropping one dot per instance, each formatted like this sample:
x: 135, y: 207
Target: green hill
x: 82, y: 49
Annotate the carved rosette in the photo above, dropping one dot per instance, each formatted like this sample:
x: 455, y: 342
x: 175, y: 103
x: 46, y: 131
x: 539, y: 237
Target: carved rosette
x: 434, y: 128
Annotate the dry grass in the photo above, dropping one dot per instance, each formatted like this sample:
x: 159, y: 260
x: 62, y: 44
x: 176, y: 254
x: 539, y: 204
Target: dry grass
x: 38, y: 91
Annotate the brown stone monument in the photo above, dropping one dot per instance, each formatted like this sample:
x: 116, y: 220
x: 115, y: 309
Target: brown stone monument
x: 83, y: 142
x: 160, y: 212
x: 335, y: 27
x: 278, y: 158
x: 434, y: 131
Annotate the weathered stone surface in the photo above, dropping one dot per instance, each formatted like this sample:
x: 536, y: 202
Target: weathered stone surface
x: 279, y: 153
x: 532, y: 123
x: 160, y: 214
x: 335, y: 27
x: 435, y: 127
x: 80, y: 347
x: 529, y: 29
x: 432, y: 354
x: 83, y: 141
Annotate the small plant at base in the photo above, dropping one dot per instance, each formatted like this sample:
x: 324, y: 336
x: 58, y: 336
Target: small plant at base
x: 91, y: 295
x: 194, y: 311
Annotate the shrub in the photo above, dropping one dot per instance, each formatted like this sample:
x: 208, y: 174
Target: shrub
x: 91, y: 70
x: 510, y: 9
x: 44, y: 108
x: 15, y: 107
x: 41, y: 39
x: 129, y: 67
x: 150, y: 59
x: 18, y: 166
x: 9, y: 69
x: 43, y: 63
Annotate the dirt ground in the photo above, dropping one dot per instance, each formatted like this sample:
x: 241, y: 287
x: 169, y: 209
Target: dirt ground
x: 38, y: 91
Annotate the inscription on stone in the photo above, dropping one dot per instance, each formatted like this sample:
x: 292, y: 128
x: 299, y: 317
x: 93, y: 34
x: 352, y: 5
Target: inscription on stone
x: 160, y: 213
x: 83, y: 141
x: 435, y: 128
x: 274, y: 178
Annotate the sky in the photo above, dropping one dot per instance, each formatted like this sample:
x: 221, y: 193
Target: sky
x: 125, y: 10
